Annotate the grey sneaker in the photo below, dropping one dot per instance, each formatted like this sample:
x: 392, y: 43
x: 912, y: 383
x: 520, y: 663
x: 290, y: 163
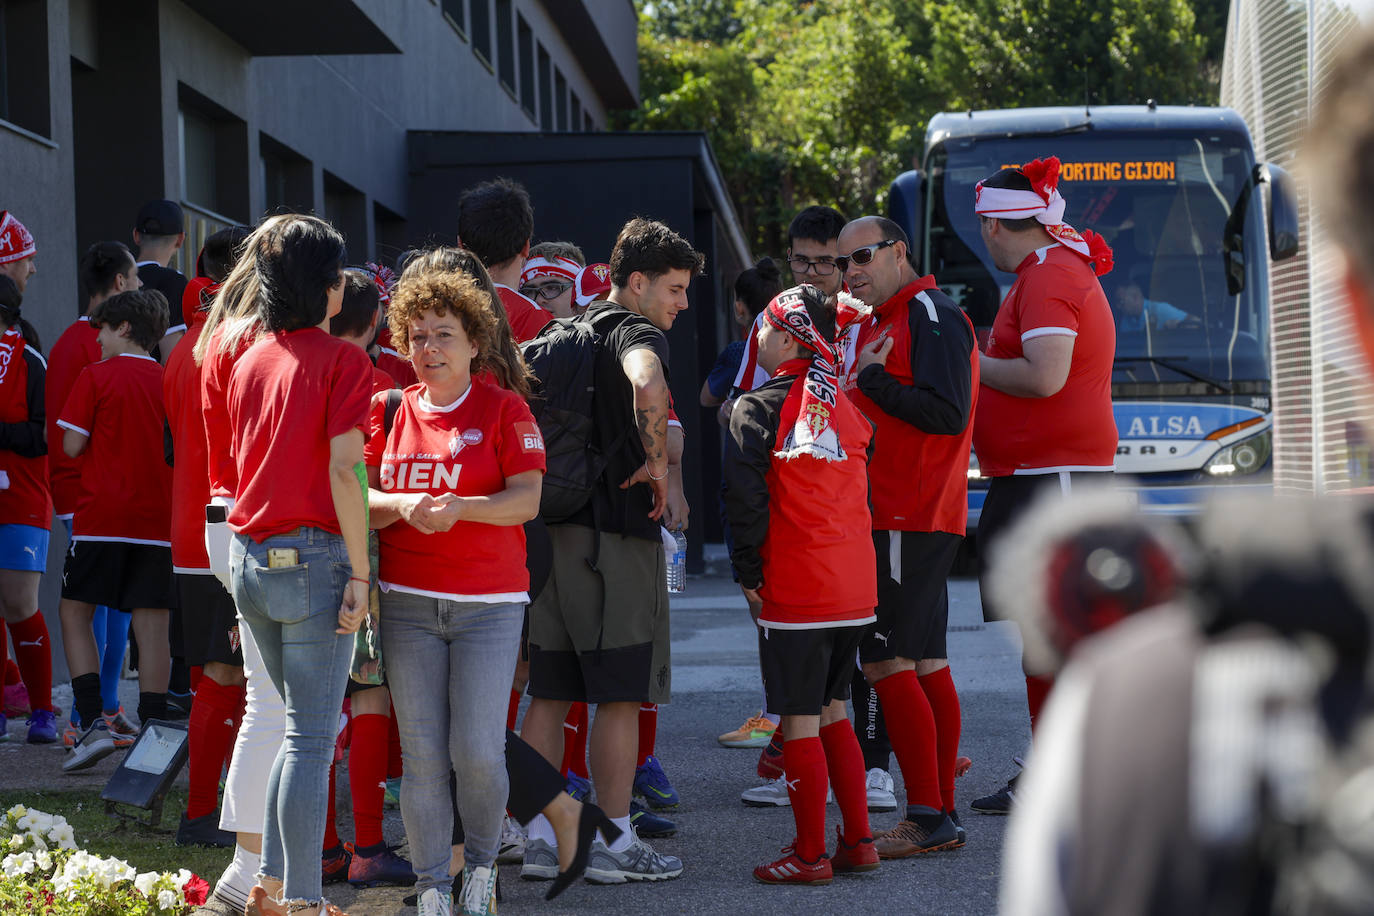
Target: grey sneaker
x: 636, y: 862
x: 880, y: 793
x: 513, y: 839
x: 478, y: 896
x: 94, y: 745
x: 434, y: 902
x: 541, y: 861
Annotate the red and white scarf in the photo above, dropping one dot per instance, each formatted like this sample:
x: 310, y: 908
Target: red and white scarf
x: 16, y: 243
x: 817, y: 385
x: 1046, y: 205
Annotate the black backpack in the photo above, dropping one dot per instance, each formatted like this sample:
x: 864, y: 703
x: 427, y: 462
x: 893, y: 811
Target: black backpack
x: 563, y: 360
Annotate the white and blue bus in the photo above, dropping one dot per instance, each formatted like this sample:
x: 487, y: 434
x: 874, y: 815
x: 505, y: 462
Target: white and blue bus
x: 1193, y: 221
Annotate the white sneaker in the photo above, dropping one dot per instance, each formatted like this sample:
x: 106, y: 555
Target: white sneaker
x: 94, y: 745
x: 434, y: 902
x: 881, y: 796
x: 773, y: 794
x: 513, y: 839
x: 478, y: 896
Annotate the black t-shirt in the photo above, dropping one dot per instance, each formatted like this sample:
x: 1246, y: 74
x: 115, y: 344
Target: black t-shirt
x: 171, y: 284
x: 621, y: 511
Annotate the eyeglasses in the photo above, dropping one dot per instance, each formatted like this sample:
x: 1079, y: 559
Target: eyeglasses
x: 547, y: 291
x: 801, y: 265
x: 862, y: 256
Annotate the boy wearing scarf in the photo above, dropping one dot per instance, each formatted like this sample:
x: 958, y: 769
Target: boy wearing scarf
x: 796, y: 494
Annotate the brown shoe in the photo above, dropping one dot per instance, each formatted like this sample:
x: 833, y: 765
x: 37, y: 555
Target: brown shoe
x: 909, y: 839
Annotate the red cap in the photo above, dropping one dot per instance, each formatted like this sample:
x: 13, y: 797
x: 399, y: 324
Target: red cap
x: 593, y: 282
x: 16, y: 243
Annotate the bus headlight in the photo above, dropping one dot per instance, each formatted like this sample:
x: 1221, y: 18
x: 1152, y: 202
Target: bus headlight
x: 973, y: 472
x: 1244, y: 457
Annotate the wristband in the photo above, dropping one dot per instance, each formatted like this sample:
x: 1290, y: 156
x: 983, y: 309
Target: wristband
x: 360, y: 579
x: 651, y: 473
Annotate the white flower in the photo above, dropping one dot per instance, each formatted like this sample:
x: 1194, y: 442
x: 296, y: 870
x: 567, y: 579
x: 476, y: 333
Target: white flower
x: 17, y: 841
x: 145, y: 882
x: 18, y: 864
x: 63, y: 836
x: 44, y: 860
x: 180, y: 879
x: 166, y: 899
x: 17, y: 811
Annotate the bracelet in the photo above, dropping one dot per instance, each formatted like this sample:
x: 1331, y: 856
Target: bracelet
x: 360, y: 579
x: 651, y: 473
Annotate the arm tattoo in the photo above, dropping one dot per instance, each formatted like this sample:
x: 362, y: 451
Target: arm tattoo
x: 653, y: 431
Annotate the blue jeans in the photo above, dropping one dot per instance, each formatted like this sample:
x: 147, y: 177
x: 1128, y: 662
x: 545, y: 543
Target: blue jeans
x: 470, y: 647
x: 293, y: 612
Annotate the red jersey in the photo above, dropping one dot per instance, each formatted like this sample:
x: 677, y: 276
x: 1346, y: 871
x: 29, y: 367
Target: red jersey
x: 921, y: 401
x: 396, y: 366
x: 126, y: 485
x: 468, y: 448
x: 288, y: 395
x: 75, y: 350
x: 24, y: 498
x: 527, y: 319
x: 191, y: 460
x: 214, y: 406
x: 382, y: 381
x: 1056, y: 292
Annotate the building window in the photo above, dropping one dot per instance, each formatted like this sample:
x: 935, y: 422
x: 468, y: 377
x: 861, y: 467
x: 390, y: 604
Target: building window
x: 346, y: 208
x: 525, y: 51
x: 453, y: 12
x: 505, y: 44
x: 576, y: 118
x: 479, y: 23
x: 560, y: 98
x: 545, y: 91
x: 24, y: 65
x: 286, y: 178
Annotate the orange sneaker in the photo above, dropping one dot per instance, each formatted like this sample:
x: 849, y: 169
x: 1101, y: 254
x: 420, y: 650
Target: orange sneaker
x: 961, y: 766
x: 755, y: 732
x: 70, y: 735
x: 122, y: 730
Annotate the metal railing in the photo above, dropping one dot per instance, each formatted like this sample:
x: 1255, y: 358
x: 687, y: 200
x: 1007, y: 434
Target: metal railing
x: 200, y: 225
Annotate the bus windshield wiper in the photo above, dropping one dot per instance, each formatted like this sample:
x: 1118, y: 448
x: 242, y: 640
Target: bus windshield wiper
x: 1168, y: 363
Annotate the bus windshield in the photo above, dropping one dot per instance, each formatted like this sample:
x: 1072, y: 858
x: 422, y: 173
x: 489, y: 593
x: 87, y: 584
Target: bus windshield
x: 1162, y: 204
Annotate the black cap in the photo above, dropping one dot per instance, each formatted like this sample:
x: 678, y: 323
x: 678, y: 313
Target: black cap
x: 160, y: 217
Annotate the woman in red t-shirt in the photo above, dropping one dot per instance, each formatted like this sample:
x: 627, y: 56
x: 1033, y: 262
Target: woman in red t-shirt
x: 296, y: 404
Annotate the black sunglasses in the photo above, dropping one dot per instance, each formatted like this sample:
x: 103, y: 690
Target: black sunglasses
x: 862, y: 256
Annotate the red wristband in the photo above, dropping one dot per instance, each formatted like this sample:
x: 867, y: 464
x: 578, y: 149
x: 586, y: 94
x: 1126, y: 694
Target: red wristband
x: 360, y: 579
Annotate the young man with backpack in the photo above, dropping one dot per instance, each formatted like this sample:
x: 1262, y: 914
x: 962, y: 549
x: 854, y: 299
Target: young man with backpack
x: 599, y: 630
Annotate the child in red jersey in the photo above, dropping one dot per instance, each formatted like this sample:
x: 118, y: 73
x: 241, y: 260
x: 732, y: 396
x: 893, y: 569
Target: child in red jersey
x: 796, y: 493
x: 121, y: 550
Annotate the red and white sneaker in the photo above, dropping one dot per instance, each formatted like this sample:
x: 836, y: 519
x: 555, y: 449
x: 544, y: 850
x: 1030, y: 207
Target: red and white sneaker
x: 862, y: 856
x: 961, y: 766
x: 792, y: 869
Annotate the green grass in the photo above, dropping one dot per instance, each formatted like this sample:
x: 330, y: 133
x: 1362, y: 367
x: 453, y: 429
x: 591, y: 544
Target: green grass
x: 142, y: 847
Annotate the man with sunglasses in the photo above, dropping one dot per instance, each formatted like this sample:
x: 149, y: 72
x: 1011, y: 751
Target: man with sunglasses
x: 917, y: 380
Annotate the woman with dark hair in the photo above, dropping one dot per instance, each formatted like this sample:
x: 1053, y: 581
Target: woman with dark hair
x: 297, y: 403
x: 455, y: 472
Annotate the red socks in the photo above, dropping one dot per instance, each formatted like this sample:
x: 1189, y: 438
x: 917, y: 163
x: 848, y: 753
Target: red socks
x: 513, y: 710
x: 804, y: 760
x: 367, y: 759
x: 33, y: 652
x: 575, y: 741
x: 211, y: 731
x: 844, y: 761
x: 648, y: 731
x: 944, y: 705
x: 1037, y: 690
x: 911, y: 729
x: 331, y: 831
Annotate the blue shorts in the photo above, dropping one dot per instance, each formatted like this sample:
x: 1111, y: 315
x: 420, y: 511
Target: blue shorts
x: 24, y: 547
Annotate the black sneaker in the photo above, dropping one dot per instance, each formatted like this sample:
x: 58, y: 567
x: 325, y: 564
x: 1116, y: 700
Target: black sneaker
x: 203, y: 831
x: 999, y: 802
x: 648, y: 824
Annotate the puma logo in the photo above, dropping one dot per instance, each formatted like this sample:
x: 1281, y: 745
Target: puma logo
x: 33, y: 552
x: 792, y: 784
x: 229, y: 722
x: 882, y: 636
x: 572, y: 728
x: 36, y: 643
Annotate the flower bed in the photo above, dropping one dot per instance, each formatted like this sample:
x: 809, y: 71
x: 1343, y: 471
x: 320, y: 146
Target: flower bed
x: 43, y: 872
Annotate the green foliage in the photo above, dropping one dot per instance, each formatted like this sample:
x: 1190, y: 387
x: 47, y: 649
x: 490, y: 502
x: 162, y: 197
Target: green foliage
x: 825, y: 101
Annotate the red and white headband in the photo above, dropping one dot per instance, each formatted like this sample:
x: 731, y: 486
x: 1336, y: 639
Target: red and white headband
x: 562, y: 268
x: 16, y: 243
x: 1045, y: 204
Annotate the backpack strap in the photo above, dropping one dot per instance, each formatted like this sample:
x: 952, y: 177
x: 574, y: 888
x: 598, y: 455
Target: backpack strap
x: 394, y: 396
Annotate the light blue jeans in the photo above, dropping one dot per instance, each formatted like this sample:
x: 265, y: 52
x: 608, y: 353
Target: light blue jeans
x: 428, y: 643
x: 293, y: 612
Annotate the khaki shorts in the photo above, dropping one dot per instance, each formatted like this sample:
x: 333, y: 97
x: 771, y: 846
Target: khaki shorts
x: 601, y: 635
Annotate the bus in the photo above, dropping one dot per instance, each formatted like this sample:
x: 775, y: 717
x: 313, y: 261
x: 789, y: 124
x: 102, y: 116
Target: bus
x: 1193, y: 222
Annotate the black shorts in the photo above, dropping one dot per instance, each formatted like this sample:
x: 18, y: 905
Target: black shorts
x: 1007, y: 500
x: 209, y: 623
x: 118, y: 574
x: 913, y: 595
x: 803, y: 670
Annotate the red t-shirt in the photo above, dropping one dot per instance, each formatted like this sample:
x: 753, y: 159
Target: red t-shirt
x: 468, y: 448
x: 396, y: 366
x: 214, y: 406
x: 1056, y: 292
x: 381, y: 381
x: 24, y: 499
x: 191, y: 470
x: 526, y: 318
x: 75, y: 350
x: 289, y: 394
x: 126, y: 485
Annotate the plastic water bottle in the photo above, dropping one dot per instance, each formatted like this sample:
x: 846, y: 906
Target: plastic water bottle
x: 675, y: 557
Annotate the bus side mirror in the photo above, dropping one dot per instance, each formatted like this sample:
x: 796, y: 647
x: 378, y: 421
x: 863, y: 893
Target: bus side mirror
x: 1283, y: 213
x: 906, y: 206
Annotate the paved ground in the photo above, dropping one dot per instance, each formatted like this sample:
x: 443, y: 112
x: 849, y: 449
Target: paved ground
x: 715, y: 686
